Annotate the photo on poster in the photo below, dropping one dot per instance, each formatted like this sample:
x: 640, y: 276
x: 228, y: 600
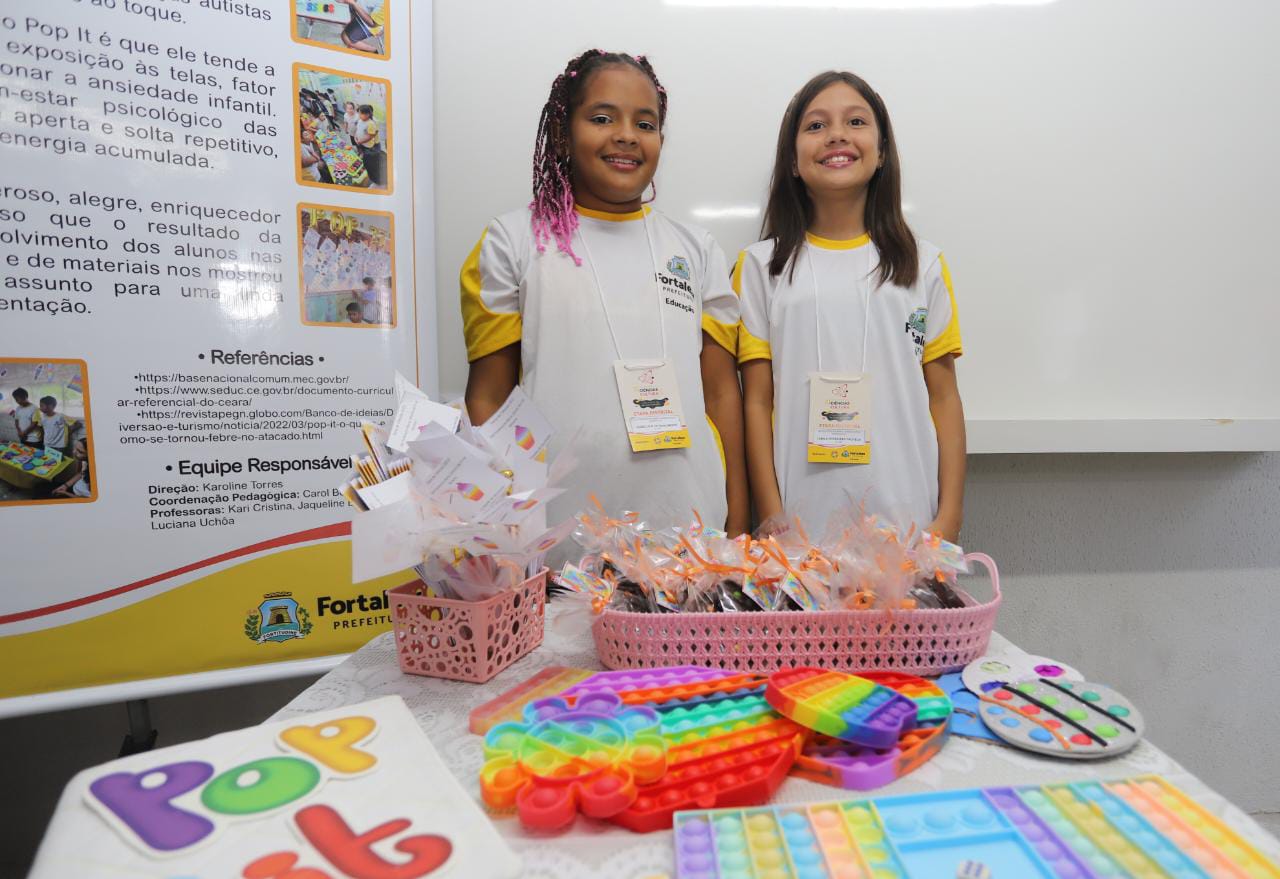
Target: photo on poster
x: 360, y: 27
x: 343, y: 138
x: 46, y: 444
x: 346, y: 267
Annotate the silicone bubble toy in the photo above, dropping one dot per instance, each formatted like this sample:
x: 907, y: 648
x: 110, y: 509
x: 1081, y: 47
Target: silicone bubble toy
x: 857, y: 767
x: 510, y: 705
x: 565, y: 759
x: 730, y: 751
x: 1076, y: 719
x: 1142, y: 828
x: 665, y: 688
x: 843, y: 706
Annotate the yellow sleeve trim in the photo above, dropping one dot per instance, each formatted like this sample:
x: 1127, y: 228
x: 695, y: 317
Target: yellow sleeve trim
x: 485, y: 331
x: 949, y: 341
x: 715, y: 434
x: 725, y: 335
x: 751, y: 348
x: 735, y: 277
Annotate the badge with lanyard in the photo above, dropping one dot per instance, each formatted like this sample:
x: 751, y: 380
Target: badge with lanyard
x: 839, y: 402
x: 647, y: 387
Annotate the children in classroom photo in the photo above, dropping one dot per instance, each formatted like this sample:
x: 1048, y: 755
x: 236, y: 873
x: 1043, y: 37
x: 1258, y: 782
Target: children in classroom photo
x: 849, y: 330
x: 44, y: 431
x: 343, y: 130
x: 589, y: 288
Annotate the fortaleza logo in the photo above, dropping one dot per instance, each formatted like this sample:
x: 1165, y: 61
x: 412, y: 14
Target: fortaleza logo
x: 278, y: 618
x: 678, y: 266
x: 351, y: 613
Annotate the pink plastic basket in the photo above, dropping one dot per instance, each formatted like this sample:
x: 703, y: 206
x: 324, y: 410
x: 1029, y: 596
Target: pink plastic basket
x: 466, y: 640
x: 922, y: 642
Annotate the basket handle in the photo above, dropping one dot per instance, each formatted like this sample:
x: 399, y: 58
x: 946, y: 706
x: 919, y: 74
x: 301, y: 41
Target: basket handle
x: 990, y: 564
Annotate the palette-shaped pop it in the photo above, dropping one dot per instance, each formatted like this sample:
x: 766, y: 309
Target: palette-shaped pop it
x: 988, y: 672
x: 856, y: 767
x: 843, y: 706
x: 1076, y: 719
x: 1087, y: 830
x: 562, y: 759
x: 721, y: 751
x: 551, y: 681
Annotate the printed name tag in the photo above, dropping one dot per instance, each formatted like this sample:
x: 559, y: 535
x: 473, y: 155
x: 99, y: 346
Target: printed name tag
x: 839, y: 418
x: 651, y: 409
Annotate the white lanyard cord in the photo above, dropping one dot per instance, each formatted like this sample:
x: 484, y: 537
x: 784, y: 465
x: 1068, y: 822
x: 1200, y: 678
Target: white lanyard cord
x: 817, y: 320
x: 653, y: 268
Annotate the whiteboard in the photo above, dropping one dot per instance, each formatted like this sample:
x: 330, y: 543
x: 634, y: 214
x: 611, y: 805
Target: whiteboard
x: 1102, y: 176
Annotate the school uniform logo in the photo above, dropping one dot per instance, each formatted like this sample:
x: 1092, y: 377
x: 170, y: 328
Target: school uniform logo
x: 676, y: 287
x: 915, y: 328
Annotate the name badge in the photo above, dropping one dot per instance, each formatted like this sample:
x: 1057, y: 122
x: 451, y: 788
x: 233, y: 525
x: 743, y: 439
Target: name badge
x: 651, y: 409
x: 839, y: 418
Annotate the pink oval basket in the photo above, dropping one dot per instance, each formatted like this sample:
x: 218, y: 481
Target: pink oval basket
x: 921, y: 642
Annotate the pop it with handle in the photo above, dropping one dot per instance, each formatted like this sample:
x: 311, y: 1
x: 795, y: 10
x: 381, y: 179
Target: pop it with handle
x: 856, y: 767
x: 726, y: 752
x: 551, y: 681
x: 1141, y: 828
x: 563, y: 759
x: 843, y: 706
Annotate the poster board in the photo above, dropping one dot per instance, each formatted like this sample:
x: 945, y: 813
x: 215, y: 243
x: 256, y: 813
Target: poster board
x: 175, y: 158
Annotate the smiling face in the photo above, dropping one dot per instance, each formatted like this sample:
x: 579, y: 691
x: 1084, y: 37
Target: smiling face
x: 614, y: 140
x: 838, y: 142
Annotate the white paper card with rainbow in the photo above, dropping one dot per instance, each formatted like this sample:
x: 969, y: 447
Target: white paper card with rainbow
x: 517, y: 432
x: 351, y: 793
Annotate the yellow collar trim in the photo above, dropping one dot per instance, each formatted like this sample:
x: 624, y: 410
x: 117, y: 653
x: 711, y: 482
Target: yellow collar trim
x: 831, y: 244
x: 612, y: 217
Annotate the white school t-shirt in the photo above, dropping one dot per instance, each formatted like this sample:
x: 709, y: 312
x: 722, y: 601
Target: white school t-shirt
x: 512, y: 293
x: 908, y: 328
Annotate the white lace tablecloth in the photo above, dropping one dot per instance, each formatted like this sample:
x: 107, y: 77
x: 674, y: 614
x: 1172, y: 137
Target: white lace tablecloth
x: 598, y: 849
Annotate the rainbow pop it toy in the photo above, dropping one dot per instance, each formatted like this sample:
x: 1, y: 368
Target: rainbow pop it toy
x: 1142, y: 828
x: 842, y: 706
x: 563, y: 759
x: 549, y: 682
x: 664, y: 688
x: 720, y: 751
x: 856, y: 767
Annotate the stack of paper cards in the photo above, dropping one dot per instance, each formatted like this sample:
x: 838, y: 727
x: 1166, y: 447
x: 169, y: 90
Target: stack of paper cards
x: 433, y: 485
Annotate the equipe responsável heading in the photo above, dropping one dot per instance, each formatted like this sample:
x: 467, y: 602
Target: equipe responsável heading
x: 262, y: 465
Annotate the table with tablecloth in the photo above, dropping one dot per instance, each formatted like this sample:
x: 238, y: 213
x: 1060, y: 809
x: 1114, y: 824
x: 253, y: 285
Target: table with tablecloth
x: 600, y: 849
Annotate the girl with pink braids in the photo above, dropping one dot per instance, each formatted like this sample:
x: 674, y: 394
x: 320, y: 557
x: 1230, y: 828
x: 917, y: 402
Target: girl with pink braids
x: 587, y: 282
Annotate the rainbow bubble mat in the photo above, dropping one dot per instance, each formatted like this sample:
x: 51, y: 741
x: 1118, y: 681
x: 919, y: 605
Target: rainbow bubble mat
x: 720, y: 752
x: 843, y: 706
x: 551, y: 681
x: 665, y: 688
x: 1142, y: 828
x: 856, y: 767
x: 561, y: 760
x: 1076, y: 719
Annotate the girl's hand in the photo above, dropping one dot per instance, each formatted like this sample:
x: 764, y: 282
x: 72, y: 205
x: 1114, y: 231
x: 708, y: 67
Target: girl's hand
x: 946, y: 527
x: 771, y: 525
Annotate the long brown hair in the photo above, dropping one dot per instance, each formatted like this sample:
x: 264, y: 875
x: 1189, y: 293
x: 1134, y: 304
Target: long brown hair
x: 790, y: 210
